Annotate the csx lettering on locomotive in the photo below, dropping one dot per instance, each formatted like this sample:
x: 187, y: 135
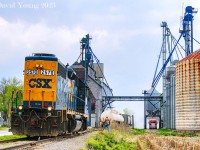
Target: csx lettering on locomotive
x: 39, y: 83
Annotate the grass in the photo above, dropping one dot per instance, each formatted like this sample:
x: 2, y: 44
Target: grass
x: 164, y: 132
x: 137, y: 131
x: 168, y: 132
x: 144, y: 144
x: 188, y: 134
x: 3, y: 128
x: 125, y: 138
x: 120, y: 138
x: 105, y: 141
x: 152, y: 141
x: 10, y: 137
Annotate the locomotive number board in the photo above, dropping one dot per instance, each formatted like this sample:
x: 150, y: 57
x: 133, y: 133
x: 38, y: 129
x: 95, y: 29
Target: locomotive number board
x: 31, y: 72
x: 47, y: 72
x: 42, y: 72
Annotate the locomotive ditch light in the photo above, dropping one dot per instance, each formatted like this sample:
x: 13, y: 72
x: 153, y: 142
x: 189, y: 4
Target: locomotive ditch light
x: 20, y: 110
x: 49, y: 108
x: 20, y: 107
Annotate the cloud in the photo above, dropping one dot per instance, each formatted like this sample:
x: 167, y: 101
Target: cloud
x: 126, y: 37
x: 19, y: 39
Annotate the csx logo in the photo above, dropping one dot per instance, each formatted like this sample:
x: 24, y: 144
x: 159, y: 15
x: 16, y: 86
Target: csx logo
x: 39, y: 83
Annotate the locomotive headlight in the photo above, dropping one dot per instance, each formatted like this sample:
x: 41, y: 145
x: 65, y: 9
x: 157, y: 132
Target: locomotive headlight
x: 20, y: 107
x: 49, y: 108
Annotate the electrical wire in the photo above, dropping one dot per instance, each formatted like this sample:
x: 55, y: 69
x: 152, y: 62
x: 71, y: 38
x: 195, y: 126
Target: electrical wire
x: 178, y: 43
x: 79, y: 57
x: 176, y: 50
x: 97, y: 61
x: 194, y: 39
x: 157, y: 64
x: 164, y: 66
x: 179, y: 51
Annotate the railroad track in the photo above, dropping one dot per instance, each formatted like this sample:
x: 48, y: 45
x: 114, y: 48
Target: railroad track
x: 31, y: 144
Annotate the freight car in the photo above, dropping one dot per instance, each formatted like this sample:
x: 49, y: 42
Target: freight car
x: 128, y: 119
x: 116, y: 116
x: 51, y: 97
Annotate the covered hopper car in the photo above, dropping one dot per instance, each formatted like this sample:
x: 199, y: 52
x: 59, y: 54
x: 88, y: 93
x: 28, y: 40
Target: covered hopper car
x: 51, y: 97
x: 117, y: 117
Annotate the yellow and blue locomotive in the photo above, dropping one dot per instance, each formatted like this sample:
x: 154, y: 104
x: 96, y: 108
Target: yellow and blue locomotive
x: 51, y: 99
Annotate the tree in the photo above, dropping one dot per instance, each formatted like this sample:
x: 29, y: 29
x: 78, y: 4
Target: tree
x: 3, y: 91
x: 128, y: 111
x: 3, y: 84
x: 6, y: 88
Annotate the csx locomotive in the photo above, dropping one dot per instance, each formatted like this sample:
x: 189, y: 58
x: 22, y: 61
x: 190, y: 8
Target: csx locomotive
x: 51, y: 99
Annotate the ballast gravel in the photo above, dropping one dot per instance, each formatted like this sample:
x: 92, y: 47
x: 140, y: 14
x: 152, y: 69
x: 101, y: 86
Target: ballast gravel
x: 74, y: 143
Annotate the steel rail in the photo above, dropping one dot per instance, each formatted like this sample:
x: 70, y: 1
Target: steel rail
x: 36, y: 143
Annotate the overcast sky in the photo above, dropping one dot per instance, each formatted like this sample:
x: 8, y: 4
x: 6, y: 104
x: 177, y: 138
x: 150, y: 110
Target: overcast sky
x: 126, y: 37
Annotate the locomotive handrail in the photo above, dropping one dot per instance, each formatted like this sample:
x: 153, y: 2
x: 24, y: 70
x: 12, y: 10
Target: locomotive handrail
x: 44, y: 119
x: 15, y: 96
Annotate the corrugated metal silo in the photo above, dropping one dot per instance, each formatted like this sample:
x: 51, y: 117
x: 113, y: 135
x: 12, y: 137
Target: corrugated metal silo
x: 188, y: 93
x: 169, y: 105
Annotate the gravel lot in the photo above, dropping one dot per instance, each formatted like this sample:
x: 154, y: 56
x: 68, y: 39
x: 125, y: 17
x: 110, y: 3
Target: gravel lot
x: 66, y: 144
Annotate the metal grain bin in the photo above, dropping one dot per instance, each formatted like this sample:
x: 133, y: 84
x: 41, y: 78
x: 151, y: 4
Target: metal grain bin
x: 188, y: 93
